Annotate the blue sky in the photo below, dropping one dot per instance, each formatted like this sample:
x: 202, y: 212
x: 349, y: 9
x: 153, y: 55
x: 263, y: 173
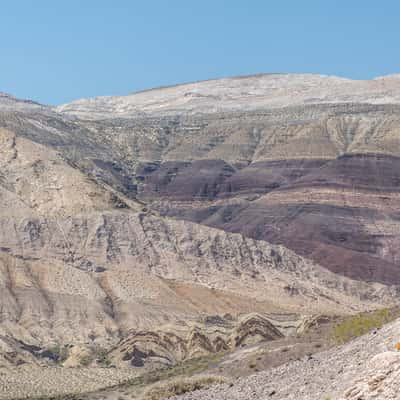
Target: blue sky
x: 54, y: 51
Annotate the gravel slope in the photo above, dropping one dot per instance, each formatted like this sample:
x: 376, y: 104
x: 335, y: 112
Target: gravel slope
x: 22, y: 383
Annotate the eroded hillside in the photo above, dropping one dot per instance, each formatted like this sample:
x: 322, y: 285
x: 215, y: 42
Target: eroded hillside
x: 195, y: 219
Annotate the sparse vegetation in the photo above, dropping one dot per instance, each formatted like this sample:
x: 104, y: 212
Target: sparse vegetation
x: 180, y: 386
x: 182, y: 370
x: 361, y: 324
x: 98, y: 354
x: 184, y: 377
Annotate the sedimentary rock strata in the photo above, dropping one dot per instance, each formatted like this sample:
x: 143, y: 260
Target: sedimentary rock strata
x: 271, y: 194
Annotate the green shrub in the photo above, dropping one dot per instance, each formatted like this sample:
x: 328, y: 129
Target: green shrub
x: 361, y: 324
x: 97, y: 353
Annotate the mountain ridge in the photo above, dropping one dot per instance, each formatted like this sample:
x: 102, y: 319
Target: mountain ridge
x: 248, y: 92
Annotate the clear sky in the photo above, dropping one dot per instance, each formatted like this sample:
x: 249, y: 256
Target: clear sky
x: 54, y: 51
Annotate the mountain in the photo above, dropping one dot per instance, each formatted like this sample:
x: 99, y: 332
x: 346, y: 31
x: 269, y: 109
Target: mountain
x: 83, y: 263
x: 249, y: 93
x: 208, y: 215
x: 308, y: 162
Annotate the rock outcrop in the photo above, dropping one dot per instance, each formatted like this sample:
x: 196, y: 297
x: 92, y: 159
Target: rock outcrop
x: 169, y: 345
x: 381, y: 379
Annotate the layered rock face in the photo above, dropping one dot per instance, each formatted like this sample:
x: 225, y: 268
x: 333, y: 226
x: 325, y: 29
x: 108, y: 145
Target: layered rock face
x: 322, y: 181
x: 270, y: 194
x: 171, y: 344
x: 309, y: 162
x: 326, y: 188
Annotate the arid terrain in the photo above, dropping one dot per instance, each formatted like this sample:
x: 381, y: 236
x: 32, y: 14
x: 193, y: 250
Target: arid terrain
x: 204, y: 226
